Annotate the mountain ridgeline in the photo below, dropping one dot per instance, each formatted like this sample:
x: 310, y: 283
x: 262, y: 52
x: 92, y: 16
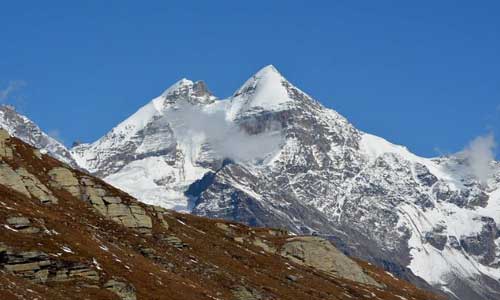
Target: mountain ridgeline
x: 272, y: 156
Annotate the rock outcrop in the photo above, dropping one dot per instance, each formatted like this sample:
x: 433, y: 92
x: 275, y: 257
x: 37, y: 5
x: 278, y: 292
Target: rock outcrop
x: 322, y: 255
x: 39, y: 267
x: 107, y: 204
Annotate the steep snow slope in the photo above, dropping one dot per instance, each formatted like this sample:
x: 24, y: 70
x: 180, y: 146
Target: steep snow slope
x: 308, y: 169
x: 24, y: 129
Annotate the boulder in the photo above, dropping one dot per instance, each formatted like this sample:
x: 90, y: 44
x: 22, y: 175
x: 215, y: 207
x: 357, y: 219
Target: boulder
x: 131, y: 216
x: 322, y: 255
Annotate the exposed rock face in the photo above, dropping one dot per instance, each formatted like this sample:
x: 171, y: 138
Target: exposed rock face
x: 109, y: 205
x: 82, y: 187
x: 437, y: 240
x: 20, y: 179
x: 482, y: 245
x: 36, y: 188
x: 39, y: 267
x: 322, y: 255
x: 63, y: 178
x: 424, y: 175
x: 10, y: 179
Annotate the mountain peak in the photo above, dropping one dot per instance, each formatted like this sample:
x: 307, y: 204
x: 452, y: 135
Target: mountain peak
x: 266, y: 80
x: 267, y: 70
x: 180, y: 84
x: 265, y: 90
x: 193, y: 92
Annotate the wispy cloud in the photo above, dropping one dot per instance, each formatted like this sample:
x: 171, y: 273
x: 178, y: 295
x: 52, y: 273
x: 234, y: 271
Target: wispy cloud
x: 12, y: 87
x: 479, y: 154
x: 226, y: 138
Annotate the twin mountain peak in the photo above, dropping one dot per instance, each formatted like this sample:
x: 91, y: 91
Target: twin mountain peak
x: 299, y: 165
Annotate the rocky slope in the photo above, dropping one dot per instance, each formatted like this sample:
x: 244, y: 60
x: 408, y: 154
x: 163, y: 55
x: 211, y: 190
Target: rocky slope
x: 68, y: 235
x: 270, y: 155
x: 23, y: 128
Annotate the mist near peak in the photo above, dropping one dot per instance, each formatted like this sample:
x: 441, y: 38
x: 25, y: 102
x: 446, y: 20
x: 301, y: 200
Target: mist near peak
x: 479, y: 154
x: 229, y: 140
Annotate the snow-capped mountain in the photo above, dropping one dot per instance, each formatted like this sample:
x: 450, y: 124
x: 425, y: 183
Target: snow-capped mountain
x: 144, y: 157
x: 271, y: 155
x: 26, y: 130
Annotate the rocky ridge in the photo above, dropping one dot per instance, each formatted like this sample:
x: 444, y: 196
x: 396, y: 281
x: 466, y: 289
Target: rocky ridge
x: 23, y: 128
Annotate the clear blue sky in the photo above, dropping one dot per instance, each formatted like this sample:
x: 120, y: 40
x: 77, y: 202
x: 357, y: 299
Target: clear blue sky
x: 420, y: 73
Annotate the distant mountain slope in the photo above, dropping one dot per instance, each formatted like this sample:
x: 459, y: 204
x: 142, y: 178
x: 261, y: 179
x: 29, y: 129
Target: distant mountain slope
x: 270, y: 155
x: 68, y: 235
x: 23, y: 128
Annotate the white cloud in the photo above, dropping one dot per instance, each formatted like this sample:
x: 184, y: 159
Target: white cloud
x: 479, y: 154
x: 226, y: 139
